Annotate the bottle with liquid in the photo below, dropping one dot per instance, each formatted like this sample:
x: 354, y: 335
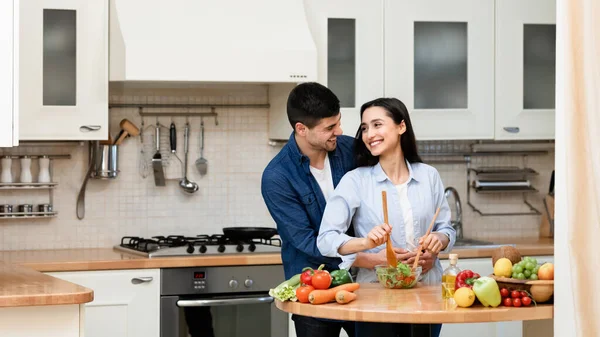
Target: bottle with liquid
x: 449, y: 277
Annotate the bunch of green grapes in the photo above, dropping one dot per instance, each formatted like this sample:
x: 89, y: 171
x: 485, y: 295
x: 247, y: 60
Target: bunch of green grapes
x: 526, y: 269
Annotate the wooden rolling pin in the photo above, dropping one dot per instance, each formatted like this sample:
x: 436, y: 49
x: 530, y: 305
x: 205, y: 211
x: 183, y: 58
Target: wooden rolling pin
x: 127, y: 128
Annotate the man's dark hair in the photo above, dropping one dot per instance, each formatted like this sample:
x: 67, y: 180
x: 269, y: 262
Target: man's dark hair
x: 310, y: 102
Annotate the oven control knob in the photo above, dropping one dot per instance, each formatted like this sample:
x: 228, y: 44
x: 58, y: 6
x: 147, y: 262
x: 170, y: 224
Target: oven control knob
x: 203, y: 249
x: 239, y: 248
x: 190, y: 249
x: 252, y: 247
x: 221, y: 248
x: 248, y: 283
x: 233, y: 284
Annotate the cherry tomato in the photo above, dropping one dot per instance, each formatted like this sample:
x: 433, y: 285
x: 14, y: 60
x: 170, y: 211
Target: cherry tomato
x: 321, y: 280
x: 504, y: 292
x: 524, y: 294
x: 517, y: 302
x: 302, y: 293
x: 507, y: 302
x: 526, y: 301
x: 515, y: 294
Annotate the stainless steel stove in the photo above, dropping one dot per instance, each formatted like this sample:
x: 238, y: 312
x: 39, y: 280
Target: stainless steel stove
x: 200, y: 245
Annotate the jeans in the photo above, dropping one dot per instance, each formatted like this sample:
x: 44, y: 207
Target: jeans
x: 313, y: 327
x: 368, y: 329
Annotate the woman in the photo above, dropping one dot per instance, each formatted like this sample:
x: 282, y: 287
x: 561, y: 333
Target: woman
x: 387, y: 160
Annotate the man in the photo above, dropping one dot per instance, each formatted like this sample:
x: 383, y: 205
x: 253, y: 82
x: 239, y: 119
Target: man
x: 296, y: 185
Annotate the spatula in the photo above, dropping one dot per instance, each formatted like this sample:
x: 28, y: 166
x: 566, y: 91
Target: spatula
x: 420, y: 248
x: 201, y: 163
x: 389, y: 251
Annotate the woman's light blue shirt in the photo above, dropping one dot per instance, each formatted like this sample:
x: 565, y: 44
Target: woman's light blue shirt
x: 357, y: 200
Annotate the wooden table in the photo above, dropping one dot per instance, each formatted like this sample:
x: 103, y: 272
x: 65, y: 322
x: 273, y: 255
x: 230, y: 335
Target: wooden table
x: 422, y: 304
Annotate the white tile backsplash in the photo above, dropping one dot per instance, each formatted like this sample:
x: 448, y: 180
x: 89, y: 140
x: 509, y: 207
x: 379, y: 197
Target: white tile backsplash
x: 237, y: 151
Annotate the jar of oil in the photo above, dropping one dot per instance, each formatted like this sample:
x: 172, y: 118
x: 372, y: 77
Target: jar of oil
x: 449, y: 277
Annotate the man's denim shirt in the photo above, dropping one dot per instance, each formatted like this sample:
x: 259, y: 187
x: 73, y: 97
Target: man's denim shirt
x: 296, y: 202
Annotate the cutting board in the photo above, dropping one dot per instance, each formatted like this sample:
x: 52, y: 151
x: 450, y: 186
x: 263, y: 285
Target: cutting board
x: 546, y: 227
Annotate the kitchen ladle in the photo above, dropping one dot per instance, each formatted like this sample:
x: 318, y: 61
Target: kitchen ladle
x: 389, y: 250
x: 187, y: 185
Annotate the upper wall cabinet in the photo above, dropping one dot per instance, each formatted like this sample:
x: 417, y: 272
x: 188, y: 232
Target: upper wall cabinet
x: 439, y: 61
x: 63, y: 69
x: 8, y: 73
x: 525, y: 69
x: 349, y: 39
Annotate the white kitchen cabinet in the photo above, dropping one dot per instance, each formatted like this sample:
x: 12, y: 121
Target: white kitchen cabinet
x: 9, y: 60
x: 349, y: 40
x: 439, y: 61
x: 126, y: 302
x: 63, y: 71
x: 484, y: 267
x: 42, y: 321
x: 525, y: 69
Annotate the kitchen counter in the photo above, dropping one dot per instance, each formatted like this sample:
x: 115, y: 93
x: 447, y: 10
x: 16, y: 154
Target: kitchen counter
x: 21, y: 286
x: 422, y: 304
x: 110, y: 259
x: 527, y: 247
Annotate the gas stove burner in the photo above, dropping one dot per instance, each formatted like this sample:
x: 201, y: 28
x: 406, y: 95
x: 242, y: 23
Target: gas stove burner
x: 181, y: 245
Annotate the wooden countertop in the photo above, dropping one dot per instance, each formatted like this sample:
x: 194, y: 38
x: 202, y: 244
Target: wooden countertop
x: 527, y: 247
x: 20, y: 286
x: 110, y: 259
x: 422, y: 304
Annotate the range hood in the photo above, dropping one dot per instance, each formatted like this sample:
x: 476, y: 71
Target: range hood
x: 260, y: 41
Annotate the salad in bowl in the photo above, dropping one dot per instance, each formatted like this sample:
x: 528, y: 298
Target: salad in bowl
x: 401, y: 277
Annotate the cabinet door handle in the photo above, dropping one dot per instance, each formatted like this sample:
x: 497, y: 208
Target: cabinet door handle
x: 88, y: 128
x: 138, y: 280
x: 512, y: 129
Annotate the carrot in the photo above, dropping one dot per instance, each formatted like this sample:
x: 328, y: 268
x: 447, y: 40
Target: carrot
x: 328, y: 295
x: 344, y: 297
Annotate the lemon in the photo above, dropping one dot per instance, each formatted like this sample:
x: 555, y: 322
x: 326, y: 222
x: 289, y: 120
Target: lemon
x: 464, y: 297
x: 503, y: 267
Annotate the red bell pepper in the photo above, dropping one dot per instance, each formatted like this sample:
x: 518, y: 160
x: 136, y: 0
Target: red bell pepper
x: 465, y: 278
x: 308, y: 273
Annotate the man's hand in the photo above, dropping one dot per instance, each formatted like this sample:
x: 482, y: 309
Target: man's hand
x: 426, y: 261
x: 401, y: 255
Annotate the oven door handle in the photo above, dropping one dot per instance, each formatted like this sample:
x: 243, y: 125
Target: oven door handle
x: 224, y: 302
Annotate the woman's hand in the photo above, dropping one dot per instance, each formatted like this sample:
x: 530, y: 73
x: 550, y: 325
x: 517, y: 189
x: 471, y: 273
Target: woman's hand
x: 377, y: 236
x: 434, y: 242
x: 426, y: 261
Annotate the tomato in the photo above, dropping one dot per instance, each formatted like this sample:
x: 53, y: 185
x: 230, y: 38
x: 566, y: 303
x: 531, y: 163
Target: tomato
x: 517, y: 302
x: 321, y: 280
x: 504, y: 292
x: 515, y: 294
x: 302, y: 293
x: 526, y: 301
x: 507, y: 302
x: 524, y: 294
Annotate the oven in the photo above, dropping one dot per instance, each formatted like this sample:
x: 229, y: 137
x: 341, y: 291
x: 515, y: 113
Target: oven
x: 231, y: 301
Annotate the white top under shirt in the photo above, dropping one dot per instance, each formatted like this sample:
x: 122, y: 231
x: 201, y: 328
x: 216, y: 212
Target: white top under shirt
x: 324, y: 178
x: 407, y: 214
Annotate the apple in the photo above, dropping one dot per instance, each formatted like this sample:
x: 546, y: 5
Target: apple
x: 546, y: 271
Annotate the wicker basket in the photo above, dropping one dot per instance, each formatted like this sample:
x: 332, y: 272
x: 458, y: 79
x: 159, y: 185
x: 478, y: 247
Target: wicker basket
x: 542, y: 291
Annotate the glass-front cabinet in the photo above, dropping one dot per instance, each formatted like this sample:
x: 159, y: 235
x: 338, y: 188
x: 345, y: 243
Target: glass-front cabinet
x: 439, y: 61
x: 63, y: 69
x: 525, y: 69
x: 349, y: 38
x: 9, y: 43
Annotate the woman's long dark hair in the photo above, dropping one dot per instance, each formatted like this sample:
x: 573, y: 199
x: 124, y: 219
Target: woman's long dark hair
x: 398, y: 112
